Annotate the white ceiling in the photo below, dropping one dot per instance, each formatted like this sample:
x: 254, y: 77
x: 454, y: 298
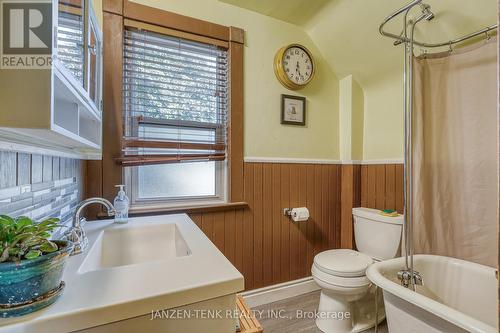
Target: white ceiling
x: 293, y: 11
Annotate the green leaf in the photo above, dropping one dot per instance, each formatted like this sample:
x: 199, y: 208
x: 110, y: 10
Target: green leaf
x: 7, y: 220
x: 44, y: 234
x: 7, y: 224
x: 33, y: 254
x: 49, y: 223
x: 21, y: 237
x: 4, y: 255
x: 28, y: 228
x: 9, y: 237
x: 33, y: 241
x: 48, y: 247
x: 23, y: 221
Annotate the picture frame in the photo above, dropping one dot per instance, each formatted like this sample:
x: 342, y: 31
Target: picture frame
x: 293, y: 110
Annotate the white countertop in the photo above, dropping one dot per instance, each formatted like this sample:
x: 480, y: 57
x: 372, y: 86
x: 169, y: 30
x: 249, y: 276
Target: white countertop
x: 99, y: 297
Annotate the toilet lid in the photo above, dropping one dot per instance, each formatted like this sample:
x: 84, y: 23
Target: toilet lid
x: 344, y: 262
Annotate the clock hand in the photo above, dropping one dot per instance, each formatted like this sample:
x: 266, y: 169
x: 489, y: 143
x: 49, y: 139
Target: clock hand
x: 298, y: 69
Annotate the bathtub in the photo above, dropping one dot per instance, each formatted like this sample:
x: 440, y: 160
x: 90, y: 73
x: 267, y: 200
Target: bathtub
x: 457, y: 296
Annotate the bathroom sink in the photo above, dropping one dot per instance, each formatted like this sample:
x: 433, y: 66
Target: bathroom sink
x: 124, y: 245
x: 155, y: 263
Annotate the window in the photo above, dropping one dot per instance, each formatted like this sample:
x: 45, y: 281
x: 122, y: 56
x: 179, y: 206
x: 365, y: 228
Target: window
x: 175, y: 119
x: 70, y: 50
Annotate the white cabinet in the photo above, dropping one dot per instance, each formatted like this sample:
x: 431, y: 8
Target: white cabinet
x: 59, y: 107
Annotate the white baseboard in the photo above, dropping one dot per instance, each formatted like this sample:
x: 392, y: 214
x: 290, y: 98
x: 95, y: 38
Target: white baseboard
x: 279, y: 292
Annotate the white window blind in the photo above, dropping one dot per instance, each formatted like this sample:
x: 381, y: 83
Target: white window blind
x: 174, y: 98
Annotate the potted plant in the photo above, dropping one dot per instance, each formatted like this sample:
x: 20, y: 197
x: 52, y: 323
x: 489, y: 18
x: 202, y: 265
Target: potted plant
x: 31, y: 265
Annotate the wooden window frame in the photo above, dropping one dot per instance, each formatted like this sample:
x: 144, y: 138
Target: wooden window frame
x: 105, y: 174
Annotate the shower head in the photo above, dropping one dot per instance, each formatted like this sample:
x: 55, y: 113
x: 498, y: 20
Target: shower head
x: 426, y: 11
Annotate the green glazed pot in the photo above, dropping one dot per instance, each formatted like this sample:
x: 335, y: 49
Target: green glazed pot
x: 29, y: 281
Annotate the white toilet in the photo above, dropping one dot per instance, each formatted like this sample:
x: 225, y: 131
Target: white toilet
x: 347, y: 301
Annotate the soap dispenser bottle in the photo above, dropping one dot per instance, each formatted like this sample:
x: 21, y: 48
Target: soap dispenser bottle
x: 121, y: 204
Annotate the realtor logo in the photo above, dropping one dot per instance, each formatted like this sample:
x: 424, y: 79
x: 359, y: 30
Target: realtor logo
x: 26, y: 33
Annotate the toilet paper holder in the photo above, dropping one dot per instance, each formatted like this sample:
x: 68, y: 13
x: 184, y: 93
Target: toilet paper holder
x: 290, y: 213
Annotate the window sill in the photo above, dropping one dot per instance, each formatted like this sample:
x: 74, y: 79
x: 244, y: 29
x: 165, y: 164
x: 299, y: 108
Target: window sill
x: 209, y: 208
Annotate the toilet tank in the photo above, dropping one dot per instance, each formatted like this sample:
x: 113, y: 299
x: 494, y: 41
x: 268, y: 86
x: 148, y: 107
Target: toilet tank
x: 376, y: 235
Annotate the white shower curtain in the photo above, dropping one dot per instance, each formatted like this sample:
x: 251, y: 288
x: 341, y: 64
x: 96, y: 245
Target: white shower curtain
x: 455, y: 154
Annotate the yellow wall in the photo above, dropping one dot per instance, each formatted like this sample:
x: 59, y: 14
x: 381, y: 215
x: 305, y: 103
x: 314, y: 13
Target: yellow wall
x: 264, y: 135
x: 383, y: 119
x: 351, y: 110
x: 358, y: 115
x: 344, y: 38
x: 345, y: 119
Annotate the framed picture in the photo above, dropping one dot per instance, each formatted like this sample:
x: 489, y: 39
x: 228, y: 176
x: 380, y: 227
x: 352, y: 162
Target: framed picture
x: 293, y: 110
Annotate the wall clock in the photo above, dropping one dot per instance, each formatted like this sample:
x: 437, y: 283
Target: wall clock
x: 294, y: 66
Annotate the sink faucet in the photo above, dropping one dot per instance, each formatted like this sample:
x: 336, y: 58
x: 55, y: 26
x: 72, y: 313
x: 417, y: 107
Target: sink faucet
x: 76, y: 234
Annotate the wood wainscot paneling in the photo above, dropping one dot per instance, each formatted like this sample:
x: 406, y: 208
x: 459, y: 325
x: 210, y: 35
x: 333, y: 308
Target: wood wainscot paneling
x: 262, y: 243
x: 267, y: 247
x: 382, y: 186
x: 350, y: 198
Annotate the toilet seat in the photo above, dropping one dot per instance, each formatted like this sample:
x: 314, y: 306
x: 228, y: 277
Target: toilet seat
x: 343, y: 263
x: 339, y: 281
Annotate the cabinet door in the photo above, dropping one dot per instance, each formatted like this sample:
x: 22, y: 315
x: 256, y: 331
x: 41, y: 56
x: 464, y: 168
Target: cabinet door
x: 70, y: 37
x: 95, y: 62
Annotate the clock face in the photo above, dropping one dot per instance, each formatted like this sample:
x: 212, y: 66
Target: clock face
x: 297, y: 65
